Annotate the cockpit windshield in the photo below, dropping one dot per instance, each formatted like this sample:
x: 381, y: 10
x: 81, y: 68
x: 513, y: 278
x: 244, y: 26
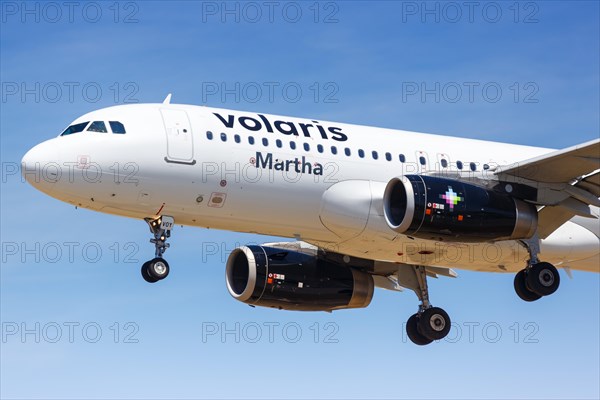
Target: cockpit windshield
x: 75, y: 128
x: 117, y: 127
x: 95, y: 126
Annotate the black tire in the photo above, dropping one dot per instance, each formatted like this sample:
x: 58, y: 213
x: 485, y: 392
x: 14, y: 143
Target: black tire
x: 145, y: 275
x: 158, y: 268
x: 543, y: 279
x: 521, y: 288
x: 434, y: 323
x: 413, y: 332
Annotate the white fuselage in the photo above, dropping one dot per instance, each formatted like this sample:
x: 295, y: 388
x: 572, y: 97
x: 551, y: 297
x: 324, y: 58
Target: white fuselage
x: 199, y: 165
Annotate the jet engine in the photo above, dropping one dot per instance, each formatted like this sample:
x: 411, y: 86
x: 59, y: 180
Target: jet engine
x: 442, y: 209
x: 293, y: 280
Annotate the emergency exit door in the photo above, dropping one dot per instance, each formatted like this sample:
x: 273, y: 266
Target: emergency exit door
x: 180, y: 141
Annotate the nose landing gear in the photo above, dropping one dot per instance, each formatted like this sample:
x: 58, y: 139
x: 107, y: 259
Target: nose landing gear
x: 158, y: 269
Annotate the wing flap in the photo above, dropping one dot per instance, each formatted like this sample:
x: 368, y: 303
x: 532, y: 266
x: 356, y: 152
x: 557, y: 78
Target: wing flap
x: 448, y: 272
x: 389, y: 282
x: 591, y: 183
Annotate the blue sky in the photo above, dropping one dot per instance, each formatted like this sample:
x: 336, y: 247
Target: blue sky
x: 357, y: 62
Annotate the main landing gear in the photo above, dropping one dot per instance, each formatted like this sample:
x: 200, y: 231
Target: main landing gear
x: 538, y: 279
x: 429, y: 323
x: 158, y: 269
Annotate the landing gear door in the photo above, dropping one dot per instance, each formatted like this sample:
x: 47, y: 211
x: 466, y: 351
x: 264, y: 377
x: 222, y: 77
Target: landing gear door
x: 180, y: 142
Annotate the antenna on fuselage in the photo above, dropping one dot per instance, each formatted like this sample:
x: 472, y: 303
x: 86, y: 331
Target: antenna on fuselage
x: 167, y: 99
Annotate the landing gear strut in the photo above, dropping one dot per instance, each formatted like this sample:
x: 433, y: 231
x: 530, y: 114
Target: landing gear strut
x: 429, y: 323
x: 538, y: 279
x: 158, y: 268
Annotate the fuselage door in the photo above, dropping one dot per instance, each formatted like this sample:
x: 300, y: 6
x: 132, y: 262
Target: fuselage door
x: 180, y: 142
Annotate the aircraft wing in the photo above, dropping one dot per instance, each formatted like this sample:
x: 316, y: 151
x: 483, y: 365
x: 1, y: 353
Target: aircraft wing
x: 558, y: 166
x: 567, y: 181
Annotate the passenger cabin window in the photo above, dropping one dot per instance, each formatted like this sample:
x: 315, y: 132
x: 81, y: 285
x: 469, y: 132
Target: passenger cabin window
x: 117, y: 127
x: 209, y: 135
x: 402, y: 158
x: 237, y: 138
x: 306, y: 147
x: 361, y: 153
x: 388, y: 156
x: 459, y: 164
x: 293, y: 145
x: 320, y: 148
x: 74, y: 128
x: 223, y: 137
x: 279, y: 143
x: 444, y: 163
x: 375, y: 155
x: 97, y: 126
x: 333, y: 150
x: 251, y: 139
x: 473, y: 166
x: 347, y: 151
x: 422, y: 160
x: 265, y: 142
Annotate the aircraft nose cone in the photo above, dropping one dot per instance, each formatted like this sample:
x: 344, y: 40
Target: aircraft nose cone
x: 40, y: 167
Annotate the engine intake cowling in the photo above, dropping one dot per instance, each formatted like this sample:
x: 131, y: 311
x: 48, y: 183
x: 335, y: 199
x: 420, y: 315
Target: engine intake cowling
x: 291, y: 280
x: 437, y: 208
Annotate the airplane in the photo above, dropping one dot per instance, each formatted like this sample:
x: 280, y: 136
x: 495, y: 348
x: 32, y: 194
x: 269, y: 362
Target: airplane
x: 365, y: 207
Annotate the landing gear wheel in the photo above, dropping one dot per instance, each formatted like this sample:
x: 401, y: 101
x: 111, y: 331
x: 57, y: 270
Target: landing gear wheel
x: 543, y: 279
x: 521, y: 288
x: 434, y: 323
x: 157, y: 268
x: 413, y: 332
x: 539, y: 278
x: 430, y: 323
x: 145, y: 275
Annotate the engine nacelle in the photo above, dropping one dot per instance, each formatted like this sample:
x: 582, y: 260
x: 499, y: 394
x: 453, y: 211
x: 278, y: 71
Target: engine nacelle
x: 291, y: 280
x: 444, y: 209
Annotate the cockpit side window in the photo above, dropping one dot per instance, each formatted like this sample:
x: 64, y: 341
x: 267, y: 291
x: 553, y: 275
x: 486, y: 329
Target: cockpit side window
x: 97, y: 126
x: 117, y: 127
x: 74, y: 128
